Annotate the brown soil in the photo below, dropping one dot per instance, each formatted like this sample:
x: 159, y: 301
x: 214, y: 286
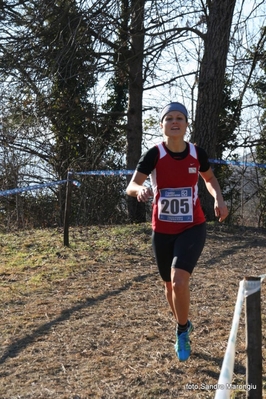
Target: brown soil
x: 105, y: 332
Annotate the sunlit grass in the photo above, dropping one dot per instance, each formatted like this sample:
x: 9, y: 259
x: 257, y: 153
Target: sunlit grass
x: 38, y: 258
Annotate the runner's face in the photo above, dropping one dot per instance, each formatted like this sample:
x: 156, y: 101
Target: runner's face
x: 174, y: 124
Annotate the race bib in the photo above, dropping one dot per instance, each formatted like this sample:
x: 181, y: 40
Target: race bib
x: 175, y: 205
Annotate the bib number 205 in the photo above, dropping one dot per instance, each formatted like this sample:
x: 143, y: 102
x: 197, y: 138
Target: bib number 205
x: 175, y: 205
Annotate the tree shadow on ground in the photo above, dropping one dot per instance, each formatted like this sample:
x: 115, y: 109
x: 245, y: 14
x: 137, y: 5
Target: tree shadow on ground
x: 16, y: 347
x: 238, y: 368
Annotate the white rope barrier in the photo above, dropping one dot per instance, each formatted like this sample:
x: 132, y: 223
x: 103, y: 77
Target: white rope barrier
x: 226, y: 375
x: 252, y: 286
x: 224, y: 386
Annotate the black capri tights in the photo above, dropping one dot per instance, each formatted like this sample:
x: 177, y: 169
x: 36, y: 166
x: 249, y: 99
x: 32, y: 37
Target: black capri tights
x: 180, y: 251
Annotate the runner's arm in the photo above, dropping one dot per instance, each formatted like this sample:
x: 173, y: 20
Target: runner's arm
x: 137, y: 189
x: 214, y: 189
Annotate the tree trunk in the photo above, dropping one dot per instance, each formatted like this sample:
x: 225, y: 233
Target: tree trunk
x: 134, y: 126
x: 210, y: 87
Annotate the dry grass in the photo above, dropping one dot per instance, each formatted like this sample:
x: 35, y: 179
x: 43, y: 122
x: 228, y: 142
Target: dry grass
x: 91, y: 321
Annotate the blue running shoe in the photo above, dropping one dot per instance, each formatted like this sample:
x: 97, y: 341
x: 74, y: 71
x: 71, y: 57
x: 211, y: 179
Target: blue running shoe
x: 182, y: 345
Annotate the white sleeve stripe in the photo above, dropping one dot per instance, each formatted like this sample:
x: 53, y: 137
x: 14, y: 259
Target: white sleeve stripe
x: 161, y: 150
x: 193, y: 151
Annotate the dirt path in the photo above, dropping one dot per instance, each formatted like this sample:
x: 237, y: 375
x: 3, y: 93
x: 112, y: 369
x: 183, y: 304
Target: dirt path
x: 105, y: 331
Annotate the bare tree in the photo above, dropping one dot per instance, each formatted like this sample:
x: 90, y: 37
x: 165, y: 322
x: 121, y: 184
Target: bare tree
x: 169, y: 50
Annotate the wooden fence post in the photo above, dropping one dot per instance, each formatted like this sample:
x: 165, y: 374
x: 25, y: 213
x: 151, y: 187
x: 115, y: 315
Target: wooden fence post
x: 253, y: 339
x: 67, y: 208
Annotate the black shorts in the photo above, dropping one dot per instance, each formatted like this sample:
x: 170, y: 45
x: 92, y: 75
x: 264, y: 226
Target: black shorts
x: 180, y: 251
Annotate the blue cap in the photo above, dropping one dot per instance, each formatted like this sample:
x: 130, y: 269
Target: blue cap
x: 173, y: 107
